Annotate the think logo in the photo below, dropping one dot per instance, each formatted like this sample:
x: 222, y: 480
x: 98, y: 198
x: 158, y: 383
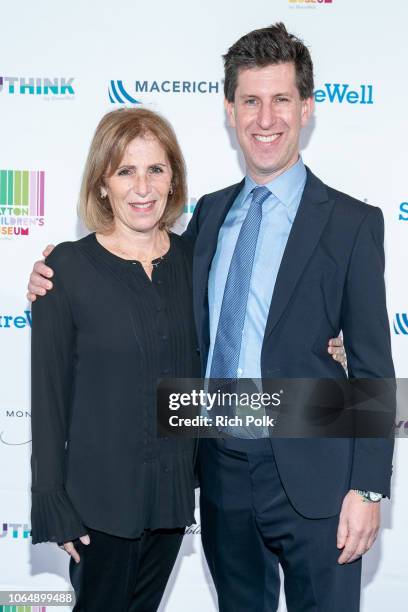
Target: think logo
x: 58, y: 86
x: 15, y: 530
x: 190, y: 206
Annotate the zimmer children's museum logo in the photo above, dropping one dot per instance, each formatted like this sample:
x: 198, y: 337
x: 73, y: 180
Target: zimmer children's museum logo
x: 22, y: 194
x: 23, y: 609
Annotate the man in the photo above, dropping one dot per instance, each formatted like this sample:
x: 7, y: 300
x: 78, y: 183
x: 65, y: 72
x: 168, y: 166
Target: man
x: 317, y: 268
x: 288, y: 263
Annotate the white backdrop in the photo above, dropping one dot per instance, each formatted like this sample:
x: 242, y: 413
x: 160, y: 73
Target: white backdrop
x: 95, y: 54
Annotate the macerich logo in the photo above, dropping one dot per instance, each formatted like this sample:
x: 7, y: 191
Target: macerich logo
x: 403, y: 208
x: 12, y: 322
x: 22, y: 195
x: 341, y: 93
x: 118, y: 93
x: 401, y: 323
x: 37, y: 86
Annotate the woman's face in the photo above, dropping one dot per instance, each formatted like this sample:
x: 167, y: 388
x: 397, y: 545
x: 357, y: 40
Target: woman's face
x: 139, y: 187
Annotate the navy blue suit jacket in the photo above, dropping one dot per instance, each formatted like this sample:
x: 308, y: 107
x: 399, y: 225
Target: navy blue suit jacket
x: 331, y: 278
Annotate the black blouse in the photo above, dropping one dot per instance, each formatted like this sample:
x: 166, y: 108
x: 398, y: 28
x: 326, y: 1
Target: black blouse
x: 101, y: 338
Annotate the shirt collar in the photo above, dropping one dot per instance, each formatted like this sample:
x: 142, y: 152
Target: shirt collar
x: 285, y: 187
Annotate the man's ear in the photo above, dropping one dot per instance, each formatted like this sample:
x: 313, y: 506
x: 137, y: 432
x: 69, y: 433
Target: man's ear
x: 230, y: 110
x: 307, y: 110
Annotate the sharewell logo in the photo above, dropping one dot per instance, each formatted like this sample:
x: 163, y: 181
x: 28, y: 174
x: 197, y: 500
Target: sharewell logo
x: 12, y: 322
x: 403, y: 209
x: 118, y: 93
x: 21, y: 201
x: 401, y: 323
x: 37, y: 86
x: 341, y: 93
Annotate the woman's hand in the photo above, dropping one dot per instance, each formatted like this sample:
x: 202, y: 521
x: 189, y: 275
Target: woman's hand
x: 336, y: 350
x: 71, y: 550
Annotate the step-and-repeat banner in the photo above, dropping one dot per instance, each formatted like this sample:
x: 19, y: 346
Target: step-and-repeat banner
x: 62, y: 66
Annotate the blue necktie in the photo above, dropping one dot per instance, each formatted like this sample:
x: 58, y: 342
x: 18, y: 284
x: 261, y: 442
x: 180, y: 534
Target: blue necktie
x: 227, y: 345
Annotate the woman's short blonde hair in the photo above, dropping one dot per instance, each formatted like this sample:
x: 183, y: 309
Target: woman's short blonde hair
x: 112, y: 136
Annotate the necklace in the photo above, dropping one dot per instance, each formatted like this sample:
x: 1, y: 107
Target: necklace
x: 157, y: 261
x: 150, y: 260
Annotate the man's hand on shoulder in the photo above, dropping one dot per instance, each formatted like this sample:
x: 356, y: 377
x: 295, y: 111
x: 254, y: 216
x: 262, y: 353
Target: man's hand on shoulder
x: 39, y: 282
x: 358, y: 526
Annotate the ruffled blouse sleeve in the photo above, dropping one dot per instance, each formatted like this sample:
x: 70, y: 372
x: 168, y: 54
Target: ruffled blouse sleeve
x: 53, y: 518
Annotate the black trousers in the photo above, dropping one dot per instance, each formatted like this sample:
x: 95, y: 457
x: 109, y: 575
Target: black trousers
x: 249, y: 527
x: 124, y: 575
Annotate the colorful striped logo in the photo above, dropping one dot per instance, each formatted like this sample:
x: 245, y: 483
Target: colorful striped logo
x: 22, y: 191
x: 23, y: 609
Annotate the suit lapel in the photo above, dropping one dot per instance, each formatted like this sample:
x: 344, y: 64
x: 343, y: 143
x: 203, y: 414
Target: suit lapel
x: 204, y: 251
x: 313, y: 213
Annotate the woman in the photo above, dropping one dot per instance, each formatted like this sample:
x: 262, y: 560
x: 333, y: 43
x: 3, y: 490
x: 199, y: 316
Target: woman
x: 119, y: 317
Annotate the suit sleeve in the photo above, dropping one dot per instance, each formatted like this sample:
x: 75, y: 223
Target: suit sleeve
x: 368, y: 346
x: 53, y: 517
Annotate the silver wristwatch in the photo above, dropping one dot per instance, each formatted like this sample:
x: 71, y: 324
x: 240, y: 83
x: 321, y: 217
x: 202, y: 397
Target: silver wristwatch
x: 369, y: 495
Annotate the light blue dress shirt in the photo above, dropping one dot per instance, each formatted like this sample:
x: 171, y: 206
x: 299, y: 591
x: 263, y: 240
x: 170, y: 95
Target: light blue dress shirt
x: 278, y: 215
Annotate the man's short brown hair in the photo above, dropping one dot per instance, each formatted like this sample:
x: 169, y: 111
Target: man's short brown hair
x: 261, y: 48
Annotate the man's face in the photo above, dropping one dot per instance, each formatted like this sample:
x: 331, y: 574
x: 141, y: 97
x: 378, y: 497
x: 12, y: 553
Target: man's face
x: 267, y: 114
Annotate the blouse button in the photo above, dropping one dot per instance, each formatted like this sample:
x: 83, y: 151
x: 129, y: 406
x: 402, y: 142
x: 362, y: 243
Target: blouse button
x: 164, y: 338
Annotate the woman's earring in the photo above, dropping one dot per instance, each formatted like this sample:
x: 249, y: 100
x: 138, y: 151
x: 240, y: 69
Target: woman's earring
x: 171, y: 190
x: 104, y: 195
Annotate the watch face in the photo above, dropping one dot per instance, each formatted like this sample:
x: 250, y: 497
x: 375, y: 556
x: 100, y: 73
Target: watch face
x: 375, y: 497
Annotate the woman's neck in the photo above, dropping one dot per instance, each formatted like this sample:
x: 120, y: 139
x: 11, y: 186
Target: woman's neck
x: 142, y: 246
